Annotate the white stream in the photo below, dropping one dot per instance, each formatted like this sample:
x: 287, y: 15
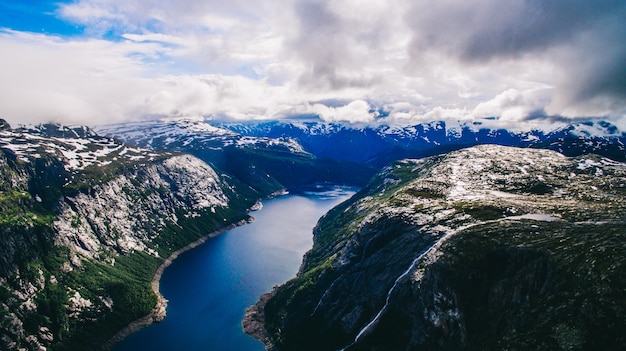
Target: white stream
x: 365, y: 330
x: 374, y: 321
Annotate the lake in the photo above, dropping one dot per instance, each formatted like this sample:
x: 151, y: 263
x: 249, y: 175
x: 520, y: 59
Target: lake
x: 210, y: 286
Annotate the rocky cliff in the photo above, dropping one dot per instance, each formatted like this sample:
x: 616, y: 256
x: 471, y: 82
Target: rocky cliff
x: 484, y: 248
x: 85, y: 221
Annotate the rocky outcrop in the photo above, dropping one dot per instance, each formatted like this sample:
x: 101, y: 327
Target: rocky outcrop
x: 484, y: 248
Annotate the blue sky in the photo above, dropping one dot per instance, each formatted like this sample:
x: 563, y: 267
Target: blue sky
x: 106, y: 61
x: 36, y: 16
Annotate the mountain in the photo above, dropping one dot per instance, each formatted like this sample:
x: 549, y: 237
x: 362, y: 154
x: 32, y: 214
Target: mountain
x: 379, y: 145
x: 283, y: 153
x: 266, y: 164
x: 484, y: 248
x: 85, y: 221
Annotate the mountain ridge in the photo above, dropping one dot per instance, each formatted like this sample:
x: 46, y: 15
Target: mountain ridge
x: 86, y: 220
x: 382, y: 144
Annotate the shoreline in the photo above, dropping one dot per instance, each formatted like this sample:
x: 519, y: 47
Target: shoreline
x: 158, y: 313
x: 253, y: 322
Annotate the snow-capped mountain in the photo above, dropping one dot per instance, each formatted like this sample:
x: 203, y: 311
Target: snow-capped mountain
x: 382, y: 144
x: 78, y: 147
x: 372, y: 145
x: 185, y: 134
x: 265, y: 163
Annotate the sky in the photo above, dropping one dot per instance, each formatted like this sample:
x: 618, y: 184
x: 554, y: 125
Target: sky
x: 524, y: 62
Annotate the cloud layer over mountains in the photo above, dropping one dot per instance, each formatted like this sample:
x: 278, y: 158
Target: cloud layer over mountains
x: 342, y: 60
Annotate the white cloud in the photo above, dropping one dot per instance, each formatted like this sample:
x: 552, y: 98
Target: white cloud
x: 357, y: 111
x: 511, y: 103
x: 441, y: 113
x: 419, y: 61
x: 46, y: 78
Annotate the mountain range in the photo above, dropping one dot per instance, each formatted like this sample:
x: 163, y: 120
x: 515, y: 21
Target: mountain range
x: 375, y: 146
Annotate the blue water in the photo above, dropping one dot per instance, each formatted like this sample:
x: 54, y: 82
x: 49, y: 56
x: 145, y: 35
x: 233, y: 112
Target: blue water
x: 210, y: 287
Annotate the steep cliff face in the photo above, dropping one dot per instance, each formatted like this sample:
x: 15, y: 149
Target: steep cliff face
x: 484, y: 248
x: 85, y: 223
x: 128, y: 211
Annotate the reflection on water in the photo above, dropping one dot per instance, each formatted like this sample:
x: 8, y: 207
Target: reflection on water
x: 210, y: 287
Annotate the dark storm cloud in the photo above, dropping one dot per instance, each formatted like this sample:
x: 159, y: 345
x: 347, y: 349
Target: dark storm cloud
x: 598, y: 62
x: 541, y: 116
x: 586, y: 38
x: 485, y: 29
x: 319, y: 30
x: 328, y: 44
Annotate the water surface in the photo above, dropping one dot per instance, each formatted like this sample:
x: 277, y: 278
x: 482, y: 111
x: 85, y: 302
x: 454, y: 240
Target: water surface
x: 210, y: 286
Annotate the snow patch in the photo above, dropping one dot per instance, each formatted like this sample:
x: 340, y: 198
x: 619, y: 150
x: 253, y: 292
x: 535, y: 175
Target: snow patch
x: 535, y: 217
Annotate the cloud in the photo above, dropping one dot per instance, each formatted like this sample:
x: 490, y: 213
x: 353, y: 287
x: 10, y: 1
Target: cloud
x: 48, y: 78
x: 416, y: 60
x: 357, y: 111
x: 512, y: 105
x: 344, y: 44
x: 582, y: 41
x: 487, y: 29
x: 594, y: 73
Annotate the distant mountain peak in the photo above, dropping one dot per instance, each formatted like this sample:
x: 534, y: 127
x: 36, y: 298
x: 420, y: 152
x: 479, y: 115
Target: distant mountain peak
x: 4, y: 125
x: 58, y: 130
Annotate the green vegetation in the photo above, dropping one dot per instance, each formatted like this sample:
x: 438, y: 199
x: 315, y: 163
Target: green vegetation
x: 569, y: 276
x: 127, y: 284
x: 426, y: 193
x: 294, y: 295
x: 17, y: 208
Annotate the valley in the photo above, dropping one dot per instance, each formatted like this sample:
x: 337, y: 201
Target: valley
x: 446, y: 234
x: 210, y: 287
x: 86, y: 221
x: 312, y: 175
